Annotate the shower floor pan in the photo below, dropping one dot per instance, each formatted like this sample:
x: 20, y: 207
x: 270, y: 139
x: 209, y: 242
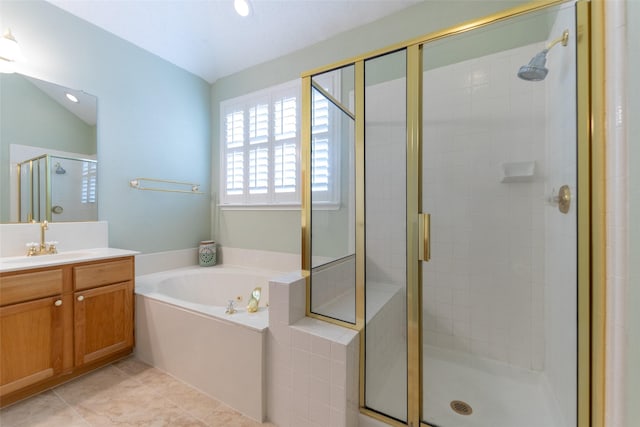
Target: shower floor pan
x: 500, y: 395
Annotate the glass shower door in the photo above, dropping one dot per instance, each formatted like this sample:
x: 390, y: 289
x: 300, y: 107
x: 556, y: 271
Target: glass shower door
x: 499, y: 295
x: 385, y: 230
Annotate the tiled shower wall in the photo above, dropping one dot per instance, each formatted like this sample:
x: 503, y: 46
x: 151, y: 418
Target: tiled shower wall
x: 385, y: 228
x: 484, y: 287
x: 560, y: 284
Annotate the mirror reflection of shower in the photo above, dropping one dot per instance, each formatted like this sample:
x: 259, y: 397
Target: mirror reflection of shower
x: 57, y: 188
x: 536, y: 70
x: 59, y: 169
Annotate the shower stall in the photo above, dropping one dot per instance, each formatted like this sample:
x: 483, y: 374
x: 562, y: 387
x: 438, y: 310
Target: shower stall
x: 446, y: 217
x: 57, y: 188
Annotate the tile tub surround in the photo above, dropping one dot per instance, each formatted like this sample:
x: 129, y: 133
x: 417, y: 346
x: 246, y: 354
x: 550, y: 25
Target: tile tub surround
x: 223, y: 359
x: 312, y: 366
x: 309, y: 367
x: 125, y: 393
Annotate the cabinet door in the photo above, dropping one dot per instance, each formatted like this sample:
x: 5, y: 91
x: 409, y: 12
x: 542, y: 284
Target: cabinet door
x: 30, y: 343
x: 103, y: 321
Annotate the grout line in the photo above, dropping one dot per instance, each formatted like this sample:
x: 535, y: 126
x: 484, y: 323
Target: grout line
x: 54, y: 390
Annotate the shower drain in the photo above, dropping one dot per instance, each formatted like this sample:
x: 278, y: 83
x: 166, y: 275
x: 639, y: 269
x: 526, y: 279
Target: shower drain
x: 460, y: 407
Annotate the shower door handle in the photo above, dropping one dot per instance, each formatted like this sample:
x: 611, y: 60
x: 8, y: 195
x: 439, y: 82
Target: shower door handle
x: 424, y: 232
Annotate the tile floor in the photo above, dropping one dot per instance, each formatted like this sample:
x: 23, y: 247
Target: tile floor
x: 126, y: 393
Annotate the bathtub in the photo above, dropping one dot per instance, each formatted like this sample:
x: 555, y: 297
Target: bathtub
x: 182, y: 329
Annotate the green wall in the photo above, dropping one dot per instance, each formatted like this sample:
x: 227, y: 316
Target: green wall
x: 280, y: 230
x: 154, y: 121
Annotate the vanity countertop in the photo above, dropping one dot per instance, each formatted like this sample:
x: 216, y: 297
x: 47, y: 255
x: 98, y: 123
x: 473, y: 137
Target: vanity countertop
x: 26, y: 262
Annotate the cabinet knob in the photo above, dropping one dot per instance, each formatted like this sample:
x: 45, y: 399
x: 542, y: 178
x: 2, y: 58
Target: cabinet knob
x: 80, y: 298
x: 58, y: 303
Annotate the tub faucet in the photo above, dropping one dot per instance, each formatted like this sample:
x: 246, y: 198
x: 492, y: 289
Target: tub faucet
x: 44, y: 247
x: 230, y: 307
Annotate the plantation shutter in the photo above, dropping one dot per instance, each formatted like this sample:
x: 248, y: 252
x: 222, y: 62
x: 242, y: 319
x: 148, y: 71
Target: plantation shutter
x: 89, y: 178
x: 260, y: 149
x: 320, y: 168
x: 286, y: 146
x: 234, y: 153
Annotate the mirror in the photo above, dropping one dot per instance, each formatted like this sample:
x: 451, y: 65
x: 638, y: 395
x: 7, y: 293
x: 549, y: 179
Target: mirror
x: 48, y: 151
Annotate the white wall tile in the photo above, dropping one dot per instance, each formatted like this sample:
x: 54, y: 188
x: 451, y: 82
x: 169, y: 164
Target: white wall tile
x: 320, y: 368
x: 312, y: 377
x: 485, y: 240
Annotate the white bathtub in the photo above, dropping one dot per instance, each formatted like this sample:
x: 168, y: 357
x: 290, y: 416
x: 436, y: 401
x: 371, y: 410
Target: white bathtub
x: 182, y: 329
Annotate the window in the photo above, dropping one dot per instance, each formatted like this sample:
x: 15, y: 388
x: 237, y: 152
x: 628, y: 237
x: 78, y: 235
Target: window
x: 260, y: 149
x: 89, y: 175
x: 324, y: 152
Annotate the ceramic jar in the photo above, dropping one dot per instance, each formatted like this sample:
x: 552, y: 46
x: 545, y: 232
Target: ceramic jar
x: 207, y: 253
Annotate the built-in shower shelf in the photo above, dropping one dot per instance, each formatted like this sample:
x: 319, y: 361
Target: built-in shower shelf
x: 518, y: 171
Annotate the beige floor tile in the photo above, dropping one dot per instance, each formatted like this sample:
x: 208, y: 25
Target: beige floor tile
x: 224, y: 416
x: 132, y: 366
x: 95, y: 384
x: 184, y: 396
x: 66, y: 417
x: 192, y: 401
x: 128, y: 393
x: 36, y: 407
x: 133, y: 407
x: 155, y: 378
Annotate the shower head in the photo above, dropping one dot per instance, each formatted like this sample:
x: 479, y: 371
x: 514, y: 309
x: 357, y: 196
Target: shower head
x: 535, y: 70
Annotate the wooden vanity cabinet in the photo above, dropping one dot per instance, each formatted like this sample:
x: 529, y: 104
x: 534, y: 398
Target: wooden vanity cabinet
x: 31, y: 329
x: 103, y: 310
x: 59, y: 322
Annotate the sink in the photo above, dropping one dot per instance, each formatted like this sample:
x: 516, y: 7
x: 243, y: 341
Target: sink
x: 44, y: 259
x: 13, y: 263
x: 62, y: 256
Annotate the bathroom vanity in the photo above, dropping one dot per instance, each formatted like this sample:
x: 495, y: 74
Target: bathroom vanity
x: 61, y: 317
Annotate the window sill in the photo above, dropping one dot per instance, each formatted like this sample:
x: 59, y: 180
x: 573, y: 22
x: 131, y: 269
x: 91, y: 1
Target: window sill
x: 277, y: 207
x: 259, y: 207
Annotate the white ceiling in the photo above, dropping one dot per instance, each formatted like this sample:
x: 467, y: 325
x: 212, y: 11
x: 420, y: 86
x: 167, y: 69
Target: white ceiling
x: 207, y: 37
x: 84, y: 109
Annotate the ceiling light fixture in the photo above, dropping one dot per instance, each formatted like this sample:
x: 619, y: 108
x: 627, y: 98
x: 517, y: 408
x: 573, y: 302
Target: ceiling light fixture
x: 71, y: 97
x: 242, y: 7
x: 9, y: 49
x: 9, y: 52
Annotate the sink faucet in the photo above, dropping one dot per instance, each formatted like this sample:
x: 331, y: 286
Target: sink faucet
x: 44, y: 247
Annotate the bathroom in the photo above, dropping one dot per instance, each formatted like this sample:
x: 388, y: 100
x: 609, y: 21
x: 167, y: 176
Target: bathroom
x: 133, y: 141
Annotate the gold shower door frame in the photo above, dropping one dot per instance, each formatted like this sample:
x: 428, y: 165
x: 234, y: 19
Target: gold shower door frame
x: 590, y: 197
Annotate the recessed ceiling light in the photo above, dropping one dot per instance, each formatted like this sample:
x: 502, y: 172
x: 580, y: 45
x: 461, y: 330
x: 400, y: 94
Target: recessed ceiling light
x: 242, y: 7
x: 71, y: 98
